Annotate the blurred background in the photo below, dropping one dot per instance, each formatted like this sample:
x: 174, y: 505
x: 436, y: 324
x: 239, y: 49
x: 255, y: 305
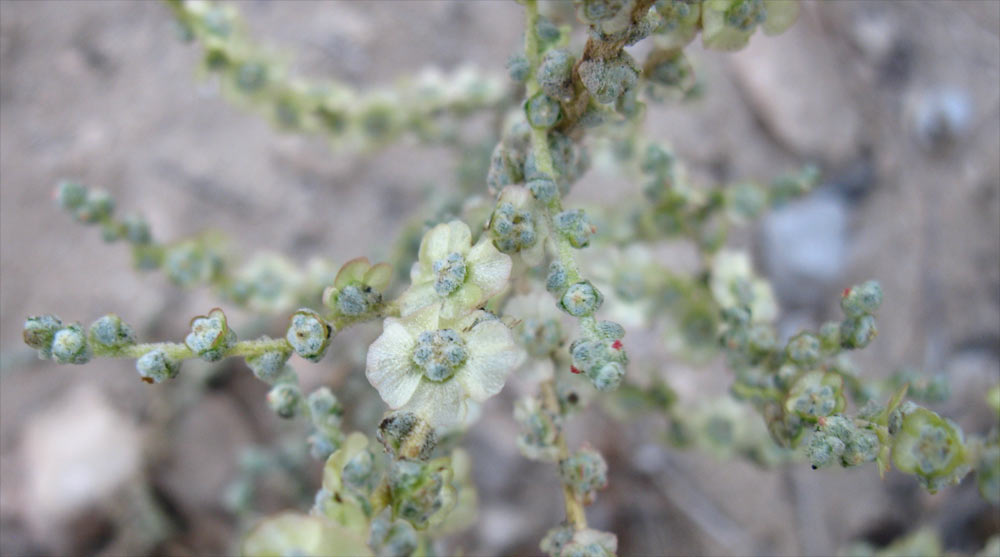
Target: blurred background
x: 896, y: 102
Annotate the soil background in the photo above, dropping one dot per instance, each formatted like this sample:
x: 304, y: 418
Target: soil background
x: 93, y: 461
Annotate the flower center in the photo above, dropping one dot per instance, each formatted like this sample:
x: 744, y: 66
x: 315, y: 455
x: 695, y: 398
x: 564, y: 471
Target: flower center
x: 439, y: 354
x: 450, y: 273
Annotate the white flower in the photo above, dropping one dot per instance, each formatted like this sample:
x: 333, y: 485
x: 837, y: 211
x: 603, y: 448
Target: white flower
x: 431, y: 365
x: 453, y: 272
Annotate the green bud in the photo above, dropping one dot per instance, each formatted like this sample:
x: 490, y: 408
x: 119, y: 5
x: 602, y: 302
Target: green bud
x: 824, y: 450
x: 858, y: 332
x: 544, y: 189
x: 422, y: 493
x: 251, y: 76
x: 269, y: 366
x: 606, y: 80
x: 70, y: 195
x: 98, y: 206
x: 518, y: 68
x: 555, y: 74
x: 324, y: 406
x: 210, y: 336
x: 69, y: 346
x: 861, y: 299
x: 156, y: 366
x: 555, y: 281
x: 504, y: 169
x: 608, y: 377
x: 188, y: 264
x: 309, y: 334
x: 539, y: 430
x: 111, y: 332
x: 592, y: 11
x: 576, y: 227
x: 581, y: 299
x: 546, y: 30
x: 512, y: 230
x: 136, y: 230
x: 804, y: 350
x: 816, y: 394
x: 542, y: 111
x: 39, y: 331
x: 359, y: 471
x: 585, y: 472
x: 284, y: 399
x: 610, y: 330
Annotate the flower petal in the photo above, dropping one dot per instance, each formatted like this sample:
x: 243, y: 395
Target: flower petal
x: 353, y: 270
x: 379, y: 276
x: 488, y: 268
x: 460, y: 238
x: 464, y: 300
x: 434, y: 246
x: 492, y: 356
x: 441, y: 404
x: 417, y: 297
x: 389, y: 368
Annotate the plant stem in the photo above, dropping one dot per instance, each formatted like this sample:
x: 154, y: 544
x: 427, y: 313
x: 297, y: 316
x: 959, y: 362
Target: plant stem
x: 574, y: 508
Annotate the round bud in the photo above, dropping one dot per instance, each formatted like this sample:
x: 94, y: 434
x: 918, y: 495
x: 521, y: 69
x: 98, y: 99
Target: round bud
x: 210, y: 336
x: 324, y: 408
x: 111, y: 332
x: 608, y: 377
x: 931, y: 447
x: 823, y: 450
x: 861, y: 299
x: 284, y: 399
x: 309, y: 334
x: 585, y: 472
x: 512, y: 229
x: 576, y: 227
x: 518, y: 68
x: 98, y: 206
x: 581, y: 299
x: 137, y: 230
x: 39, y: 331
x: 504, y: 169
x: 555, y: 281
x: 156, y: 366
x: 803, y: 349
x: 69, y: 346
x: 610, y: 330
x: 70, y: 195
x: 606, y: 80
x: 858, y: 332
x: 544, y: 189
x: 816, y: 394
x: 269, y: 366
x: 542, y: 111
x: 555, y: 74
x: 251, y: 76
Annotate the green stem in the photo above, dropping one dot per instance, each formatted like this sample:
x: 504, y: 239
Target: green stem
x: 574, y: 508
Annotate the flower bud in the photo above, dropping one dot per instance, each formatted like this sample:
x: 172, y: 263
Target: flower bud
x: 69, y: 346
x: 555, y: 281
x: 284, y: 399
x: 210, y: 336
x: 861, y: 299
x: 309, y: 334
x: 858, y: 332
x: 39, y: 331
x: 269, y: 366
x: 504, y: 169
x: 518, y: 68
x: 585, y: 472
x: 607, y: 377
x: 188, y: 263
x: 511, y: 229
x: 111, y: 332
x: 576, y: 227
x: 544, y: 189
x: 70, y: 195
x: 829, y: 336
x: 136, y: 230
x: 98, y: 206
x: 156, y: 366
x: 606, y: 80
x: 324, y: 408
x: 539, y: 430
x: 555, y: 74
x: 803, y: 349
x: 542, y: 111
x: 581, y: 299
x: 816, y: 394
x: 422, y: 493
x: 592, y: 11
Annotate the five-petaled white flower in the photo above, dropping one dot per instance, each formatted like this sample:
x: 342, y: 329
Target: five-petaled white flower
x: 453, y: 273
x: 431, y: 365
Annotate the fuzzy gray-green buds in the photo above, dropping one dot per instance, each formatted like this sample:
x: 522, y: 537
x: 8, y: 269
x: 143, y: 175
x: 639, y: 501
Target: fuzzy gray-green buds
x: 156, y: 366
x: 555, y: 74
x: 422, y: 493
x: 69, y: 345
x: 269, y: 366
x: 392, y: 538
x: 406, y: 435
x: 575, y: 227
x: 210, y: 336
x: 804, y: 350
x: 602, y: 358
x: 518, y: 68
x: 839, y: 440
x: 608, y: 79
x: 861, y: 299
x: 858, y: 332
x: 39, y: 331
x: 816, y: 394
x: 110, y: 332
x: 581, y: 299
x: 309, y: 334
x: 70, y: 195
x: 929, y: 446
x: 284, y: 399
x: 585, y: 472
x: 512, y: 230
x: 542, y: 111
